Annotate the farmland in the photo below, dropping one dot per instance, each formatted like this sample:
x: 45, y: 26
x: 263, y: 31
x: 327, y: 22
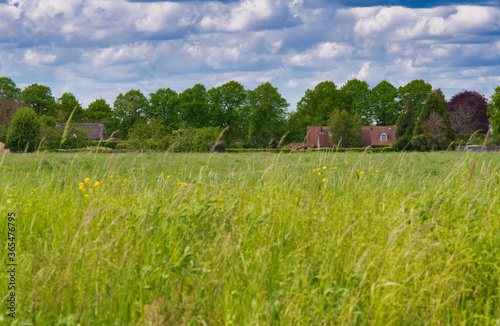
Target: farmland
x: 254, y: 238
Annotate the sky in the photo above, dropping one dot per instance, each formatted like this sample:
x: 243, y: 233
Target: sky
x: 101, y: 48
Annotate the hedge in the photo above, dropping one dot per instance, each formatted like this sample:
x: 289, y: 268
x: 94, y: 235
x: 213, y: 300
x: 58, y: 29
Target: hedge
x: 56, y: 144
x: 288, y: 150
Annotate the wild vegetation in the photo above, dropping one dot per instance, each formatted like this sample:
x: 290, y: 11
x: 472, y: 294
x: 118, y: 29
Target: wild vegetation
x: 258, y: 238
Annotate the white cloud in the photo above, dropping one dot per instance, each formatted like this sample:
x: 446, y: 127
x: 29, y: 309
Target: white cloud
x: 34, y: 58
x: 322, y: 52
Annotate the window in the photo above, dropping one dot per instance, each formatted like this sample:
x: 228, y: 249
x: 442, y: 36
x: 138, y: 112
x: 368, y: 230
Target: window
x: 383, y: 137
x: 329, y: 134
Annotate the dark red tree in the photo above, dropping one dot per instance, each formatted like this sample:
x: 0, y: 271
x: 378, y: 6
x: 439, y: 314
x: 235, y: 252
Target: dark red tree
x: 475, y: 105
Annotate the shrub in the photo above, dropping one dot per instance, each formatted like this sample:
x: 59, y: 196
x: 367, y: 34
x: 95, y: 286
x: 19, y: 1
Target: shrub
x: 153, y: 135
x: 194, y: 139
x: 3, y: 134
x: 216, y: 146
x: 24, y: 132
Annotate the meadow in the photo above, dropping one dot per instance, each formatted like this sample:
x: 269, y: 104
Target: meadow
x: 253, y: 238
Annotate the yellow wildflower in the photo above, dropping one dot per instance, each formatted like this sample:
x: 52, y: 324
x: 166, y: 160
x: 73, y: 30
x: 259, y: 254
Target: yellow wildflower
x: 169, y: 176
x: 319, y: 173
x: 87, y: 180
x: 331, y: 194
x: 80, y: 184
x: 86, y: 195
x: 362, y: 172
x: 118, y: 176
x: 125, y: 180
x: 96, y: 184
x: 324, y: 180
x: 335, y: 168
x: 357, y: 170
x: 324, y: 167
x: 378, y: 171
x: 111, y: 177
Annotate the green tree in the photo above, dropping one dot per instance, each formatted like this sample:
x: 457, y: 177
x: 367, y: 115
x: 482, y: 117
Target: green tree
x: 345, y: 128
x: 358, y: 99
x: 194, y: 109
x: 433, y: 130
x: 24, y: 131
x: 164, y: 107
x: 8, y: 88
x: 417, y: 90
x: 405, y: 126
x: 267, y: 115
x: 494, y: 111
x: 384, y: 104
x: 66, y: 104
x: 40, y: 98
x: 98, y: 110
x: 130, y: 108
x: 227, y: 103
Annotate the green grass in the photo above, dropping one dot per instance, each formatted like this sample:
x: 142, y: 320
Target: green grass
x: 254, y: 239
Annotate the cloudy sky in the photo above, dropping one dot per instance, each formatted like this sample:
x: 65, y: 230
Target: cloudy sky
x: 100, y: 48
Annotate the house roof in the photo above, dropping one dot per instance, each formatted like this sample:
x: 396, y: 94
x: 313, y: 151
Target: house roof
x: 97, y: 131
x: 319, y: 137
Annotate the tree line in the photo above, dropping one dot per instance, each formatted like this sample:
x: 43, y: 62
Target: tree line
x: 254, y: 117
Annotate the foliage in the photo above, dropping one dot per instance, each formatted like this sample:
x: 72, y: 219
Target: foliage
x: 345, y: 129
x: 194, y: 109
x: 130, y: 108
x: 24, y: 131
x: 164, y: 107
x: 152, y: 135
x: 417, y: 90
x: 217, y: 146
x: 494, y: 111
x: 384, y: 104
x: 8, y: 88
x: 405, y: 126
x: 3, y: 133
x: 468, y: 113
x: 194, y: 139
x: 433, y: 130
x: 358, y: 93
x: 266, y: 119
x: 98, y: 110
x: 8, y: 107
x: 40, y: 98
x: 227, y: 102
x: 68, y: 103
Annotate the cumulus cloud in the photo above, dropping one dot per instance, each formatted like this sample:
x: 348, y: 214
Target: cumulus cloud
x: 102, y: 47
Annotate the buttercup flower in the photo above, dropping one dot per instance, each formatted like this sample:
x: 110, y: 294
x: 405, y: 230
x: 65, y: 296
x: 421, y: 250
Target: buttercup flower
x: 96, y: 184
x: 324, y: 167
x: 324, y: 180
x: 87, y: 180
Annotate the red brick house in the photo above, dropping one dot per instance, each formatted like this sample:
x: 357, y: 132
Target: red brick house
x: 319, y: 137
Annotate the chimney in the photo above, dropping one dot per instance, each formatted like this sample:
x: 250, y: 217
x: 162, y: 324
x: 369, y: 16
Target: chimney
x: 59, y: 123
x: 100, y: 123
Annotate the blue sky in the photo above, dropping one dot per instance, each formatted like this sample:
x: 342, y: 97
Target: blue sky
x: 100, y: 48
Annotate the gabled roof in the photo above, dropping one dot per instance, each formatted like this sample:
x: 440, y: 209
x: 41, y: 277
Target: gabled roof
x: 319, y: 137
x: 96, y: 131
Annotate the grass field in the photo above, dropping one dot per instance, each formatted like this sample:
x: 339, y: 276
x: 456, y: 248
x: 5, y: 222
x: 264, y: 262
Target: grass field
x: 253, y: 239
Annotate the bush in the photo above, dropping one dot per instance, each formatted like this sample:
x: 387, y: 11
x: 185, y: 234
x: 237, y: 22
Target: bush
x: 153, y: 135
x: 471, y: 139
x: 216, y: 146
x: 24, y: 132
x: 194, y: 139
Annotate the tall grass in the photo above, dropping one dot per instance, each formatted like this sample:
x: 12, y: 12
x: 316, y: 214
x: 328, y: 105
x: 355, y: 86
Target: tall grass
x: 253, y: 239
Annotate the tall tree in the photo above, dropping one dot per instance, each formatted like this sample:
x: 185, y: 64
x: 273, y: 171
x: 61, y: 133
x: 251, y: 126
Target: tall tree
x: 130, y: 108
x: 266, y: 113
x: 8, y: 88
x: 384, y: 104
x: 227, y: 103
x: 98, y: 110
x: 433, y: 130
x: 66, y: 104
x: 468, y: 111
x: 40, y: 98
x: 405, y: 126
x: 417, y: 90
x: 24, y: 132
x: 164, y: 107
x: 345, y: 128
x: 194, y: 109
x: 494, y: 111
x: 358, y: 93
